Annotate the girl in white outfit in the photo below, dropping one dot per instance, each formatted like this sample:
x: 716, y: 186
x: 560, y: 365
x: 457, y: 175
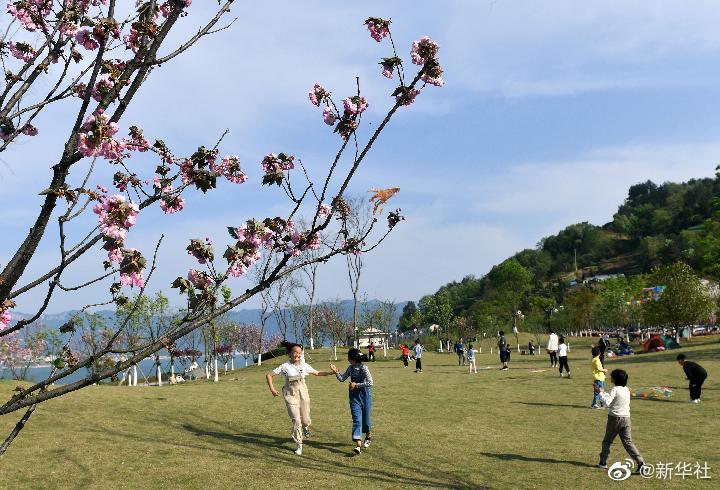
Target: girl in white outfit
x: 295, y: 392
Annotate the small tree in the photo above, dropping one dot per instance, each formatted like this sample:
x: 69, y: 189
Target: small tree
x: 685, y: 301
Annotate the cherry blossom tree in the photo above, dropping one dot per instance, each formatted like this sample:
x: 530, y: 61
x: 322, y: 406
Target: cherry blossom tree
x: 95, y: 55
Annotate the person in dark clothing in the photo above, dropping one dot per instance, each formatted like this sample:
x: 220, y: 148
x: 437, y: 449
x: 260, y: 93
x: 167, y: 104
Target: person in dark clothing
x: 371, y: 351
x: 602, y: 347
x: 696, y: 374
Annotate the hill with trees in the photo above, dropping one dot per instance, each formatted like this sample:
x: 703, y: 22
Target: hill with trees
x: 590, y: 276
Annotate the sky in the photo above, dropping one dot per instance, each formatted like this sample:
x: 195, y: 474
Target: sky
x: 550, y: 111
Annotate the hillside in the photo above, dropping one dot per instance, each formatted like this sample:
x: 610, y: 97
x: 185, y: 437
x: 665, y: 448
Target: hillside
x: 656, y: 225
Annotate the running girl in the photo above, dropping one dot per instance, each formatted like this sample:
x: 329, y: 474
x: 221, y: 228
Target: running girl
x: 360, y: 396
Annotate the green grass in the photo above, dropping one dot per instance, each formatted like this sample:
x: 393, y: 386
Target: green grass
x: 443, y: 428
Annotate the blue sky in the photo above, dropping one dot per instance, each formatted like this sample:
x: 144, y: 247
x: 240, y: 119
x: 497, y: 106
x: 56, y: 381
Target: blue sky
x: 550, y: 111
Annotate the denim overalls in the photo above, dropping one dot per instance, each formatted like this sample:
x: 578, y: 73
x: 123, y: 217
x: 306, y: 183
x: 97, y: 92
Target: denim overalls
x: 360, y: 403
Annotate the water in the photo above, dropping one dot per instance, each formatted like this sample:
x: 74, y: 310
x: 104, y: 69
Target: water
x: 146, y: 367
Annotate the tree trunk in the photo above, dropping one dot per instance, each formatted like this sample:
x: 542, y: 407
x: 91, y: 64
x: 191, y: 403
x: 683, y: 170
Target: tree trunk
x: 159, y: 375
x: 172, y: 368
x: 225, y: 367
x: 216, y: 369
x: 134, y: 375
x: 232, y: 364
x: 335, y: 351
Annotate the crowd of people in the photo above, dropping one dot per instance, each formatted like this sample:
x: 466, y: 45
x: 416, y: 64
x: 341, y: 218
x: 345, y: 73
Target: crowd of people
x: 617, y: 400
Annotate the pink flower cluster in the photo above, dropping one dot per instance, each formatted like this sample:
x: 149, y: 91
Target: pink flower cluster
x: 199, y: 279
x: 102, y: 88
x: 379, y: 28
x: 318, y: 94
x: 29, y: 130
x: 229, y: 168
x: 274, y: 167
x: 353, y: 246
x: 170, y: 203
x: 355, y: 105
x: 22, y: 51
x: 5, y: 318
x: 406, y: 96
x: 324, y: 211
x: 394, y: 218
x: 137, y: 141
x: 250, y: 236
x: 132, y: 268
x: 329, y: 116
x: 116, y: 216
x: 30, y: 13
x: 85, y: 38
x: 389, y: 65
x: 132, y: 41
x: 424, y: 50
x: 167, y: 7
x: 201, y: 250
x: 95, y: 138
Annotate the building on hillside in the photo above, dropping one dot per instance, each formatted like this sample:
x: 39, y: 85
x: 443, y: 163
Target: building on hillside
x: 601, y: 278
x: 372, y: 335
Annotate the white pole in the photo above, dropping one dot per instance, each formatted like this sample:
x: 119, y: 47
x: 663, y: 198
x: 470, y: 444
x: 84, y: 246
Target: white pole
x: 384, y: 349
x: 335, y: 351
x: 245, y: 361
x: 172, y: 368
x: 232, y: 364
x: 312, y: 344
x: 216, y: 370
x: 159, y: 376
x: 134, y: 374
x: 207, y: 370
x: 259, y: 363
x: 225, y: 367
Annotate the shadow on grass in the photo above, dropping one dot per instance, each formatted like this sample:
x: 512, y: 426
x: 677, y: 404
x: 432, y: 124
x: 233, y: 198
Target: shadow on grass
x: 540, y: 404
x: 519, y: 457
x: 266, y: 440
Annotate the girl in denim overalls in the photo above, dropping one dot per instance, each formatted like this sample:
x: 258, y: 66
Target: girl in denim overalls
x: 360, y: 396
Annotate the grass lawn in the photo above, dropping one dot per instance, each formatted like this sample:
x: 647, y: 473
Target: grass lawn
x: 442, y: 428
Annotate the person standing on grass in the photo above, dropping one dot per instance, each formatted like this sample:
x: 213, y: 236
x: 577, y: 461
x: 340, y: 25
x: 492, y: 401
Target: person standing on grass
x: 598, y: 377
x: 405, y: 354
x: 418, y: 351
x: 471, y: 359
x: 360, y: 396
x: 460, y: 351
x: 696, y: 374
x: 371, y: 351
x: 562, y: 356
x: 602, y: 347
x: 502, y: 348
x: 295, y: 392
x: 531, y: 347
x: 552, y: 347
x: 618, y: 421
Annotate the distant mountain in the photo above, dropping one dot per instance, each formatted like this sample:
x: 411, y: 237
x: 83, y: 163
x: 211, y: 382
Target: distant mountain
x: 251, y: 315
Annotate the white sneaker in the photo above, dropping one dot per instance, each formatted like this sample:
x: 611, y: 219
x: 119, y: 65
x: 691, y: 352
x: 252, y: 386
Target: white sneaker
x: 298, y: 451
x: 306, y: 431
x: 695, y: 401
x: 366, y: 443
x: 356, y: 450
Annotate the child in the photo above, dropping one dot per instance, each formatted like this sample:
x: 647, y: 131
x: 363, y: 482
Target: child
x: 502, y: 343
x: 371, y: 351
x: 598, y: 377
x: 531, y: 347
x: 696, y: 374
x: 618, y: 422
x: 295, y: 392
x: 418, y: 350
x: 562, y: 356
x: 471, y: 358
x: 405, y: 354
x: 360, y: 396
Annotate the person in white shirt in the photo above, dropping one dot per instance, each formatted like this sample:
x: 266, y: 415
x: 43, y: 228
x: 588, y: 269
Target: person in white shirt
x: 562, y: 357
x: 295, y: 392
x: 552, y: 347
x: 618, y: 422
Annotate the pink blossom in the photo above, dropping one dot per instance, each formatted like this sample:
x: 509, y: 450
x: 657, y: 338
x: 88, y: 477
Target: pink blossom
x: 437, y: 81
x: 116, y: 216
x: 379, y: 28
x: 237, y: 270
x: 102, y: 88
x: 84, y: 38
x: 355, y: 105
x: 96, y: 138
x: 68, y: 29
x: 172, y: 204
x: 424, y: 50
x: 229, y: 168
x: 5, y: 318
x: 407, y: 96
x: 29, y: 130
x: 30, y: 11
x: 22, y: 51
x: 167, y: 7
x: 324, y: 211
x: 329, y: 116
x: 199, y: 279
x: 133, y: 279
x: 318, y: 94
x: 115, y: 255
